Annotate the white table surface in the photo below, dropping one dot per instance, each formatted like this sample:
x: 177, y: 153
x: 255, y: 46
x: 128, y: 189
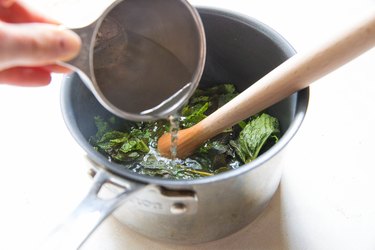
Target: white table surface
x: 326, y: 199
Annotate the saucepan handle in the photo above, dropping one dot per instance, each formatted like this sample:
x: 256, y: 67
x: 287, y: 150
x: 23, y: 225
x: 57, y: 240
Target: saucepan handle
x: 90, y: 213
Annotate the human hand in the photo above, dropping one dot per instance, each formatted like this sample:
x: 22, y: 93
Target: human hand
x: 31, y: 44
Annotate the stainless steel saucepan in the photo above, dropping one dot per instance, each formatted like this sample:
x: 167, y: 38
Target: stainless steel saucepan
x: 240, y: 50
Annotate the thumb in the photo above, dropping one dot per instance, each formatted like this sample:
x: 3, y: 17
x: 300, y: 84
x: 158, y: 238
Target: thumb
x: 36, y: 44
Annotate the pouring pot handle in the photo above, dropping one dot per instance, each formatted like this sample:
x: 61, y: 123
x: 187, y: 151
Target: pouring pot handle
x: 90, y: 213
x: 81, y: 63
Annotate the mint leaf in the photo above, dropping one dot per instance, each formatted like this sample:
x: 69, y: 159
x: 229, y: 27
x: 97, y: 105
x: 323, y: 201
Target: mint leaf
x: 254, y: 136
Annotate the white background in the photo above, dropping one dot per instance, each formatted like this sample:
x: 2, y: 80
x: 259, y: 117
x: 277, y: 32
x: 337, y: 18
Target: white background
x: 326, y: 197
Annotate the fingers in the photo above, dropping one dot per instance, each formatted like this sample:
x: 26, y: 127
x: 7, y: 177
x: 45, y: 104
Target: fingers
x: 24, y: 76
x: 36, y: 44
x: 57, y: 69
x: 27, y: 77
x: 14, y: 12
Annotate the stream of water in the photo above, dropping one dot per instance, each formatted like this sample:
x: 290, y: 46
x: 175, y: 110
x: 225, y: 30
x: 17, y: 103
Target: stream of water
x: 175, y: 125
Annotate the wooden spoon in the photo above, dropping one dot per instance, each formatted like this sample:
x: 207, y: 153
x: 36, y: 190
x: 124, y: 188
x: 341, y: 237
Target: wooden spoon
x: 293, y: 75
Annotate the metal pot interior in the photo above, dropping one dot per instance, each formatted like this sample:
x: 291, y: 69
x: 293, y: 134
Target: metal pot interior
x: 240, y: 50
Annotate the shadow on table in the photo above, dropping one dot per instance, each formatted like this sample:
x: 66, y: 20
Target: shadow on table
x: 265, y: 232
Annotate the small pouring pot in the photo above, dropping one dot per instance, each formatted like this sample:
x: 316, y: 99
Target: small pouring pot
x: 240, y: 50
x: 164, y: 38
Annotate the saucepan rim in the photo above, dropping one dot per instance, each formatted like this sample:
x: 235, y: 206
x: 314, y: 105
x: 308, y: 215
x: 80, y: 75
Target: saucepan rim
x: 302, y: 100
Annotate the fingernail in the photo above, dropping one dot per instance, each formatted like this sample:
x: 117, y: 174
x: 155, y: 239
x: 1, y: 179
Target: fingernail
x: 69, y: 44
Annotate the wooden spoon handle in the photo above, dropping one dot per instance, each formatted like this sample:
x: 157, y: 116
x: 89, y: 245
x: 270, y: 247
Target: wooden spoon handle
x: 293, y: 75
